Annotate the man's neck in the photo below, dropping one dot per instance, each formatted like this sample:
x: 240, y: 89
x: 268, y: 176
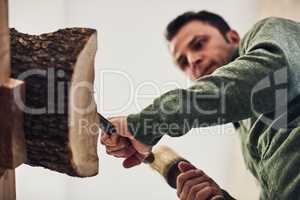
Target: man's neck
x: 235, y: 54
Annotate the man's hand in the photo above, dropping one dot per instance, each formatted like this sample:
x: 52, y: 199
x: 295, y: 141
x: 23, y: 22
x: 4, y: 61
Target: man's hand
x: 122, y: 144
x: 194, y: 184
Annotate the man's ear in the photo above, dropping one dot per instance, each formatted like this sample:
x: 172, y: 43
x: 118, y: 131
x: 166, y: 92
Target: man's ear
x: 233, y: 37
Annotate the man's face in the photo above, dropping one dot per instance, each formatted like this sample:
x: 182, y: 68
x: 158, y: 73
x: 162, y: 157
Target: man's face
x: 199, y: 48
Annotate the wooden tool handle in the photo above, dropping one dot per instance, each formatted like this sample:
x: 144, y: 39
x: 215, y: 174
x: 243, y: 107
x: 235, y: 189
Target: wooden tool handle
x: 166, y: 163
x: 110, y: 129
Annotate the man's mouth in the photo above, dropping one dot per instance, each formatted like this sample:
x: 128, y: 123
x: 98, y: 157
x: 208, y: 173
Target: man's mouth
x: 208, y: 70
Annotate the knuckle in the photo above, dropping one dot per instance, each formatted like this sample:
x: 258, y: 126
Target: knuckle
x: 209, y: 179
x: 189, y: 183
x: 210, y: 189
x: 199, y: 171
x: 114, y: 138
x: 194, y: 173
x: 178, y: 194
x: 101, y: 138
x: 108, y: 152
x: 198, y: 195
x: 215, y: 190
x: 206, y: 178
x: 123, y: 144
x: 183, y: 196
x: 119, y: 155
x: 194, y: 190
x: 110, y: 149
x: 180, y: 178
x: 206, y: 184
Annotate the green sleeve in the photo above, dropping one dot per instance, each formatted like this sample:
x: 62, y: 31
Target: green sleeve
x: 222, y: 97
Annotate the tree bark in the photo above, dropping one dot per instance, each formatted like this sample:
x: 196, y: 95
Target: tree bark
x: 60, y: 121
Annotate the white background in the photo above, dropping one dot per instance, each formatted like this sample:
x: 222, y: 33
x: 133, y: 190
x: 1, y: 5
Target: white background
x: 130, y: 40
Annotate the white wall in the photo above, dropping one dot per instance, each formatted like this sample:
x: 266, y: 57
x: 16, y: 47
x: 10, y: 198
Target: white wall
x: 281, y: 8
x: 34, y: 16
x: 131, y: 43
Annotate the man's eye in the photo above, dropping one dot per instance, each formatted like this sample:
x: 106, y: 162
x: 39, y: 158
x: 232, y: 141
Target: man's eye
x: 182, y: 63
x: 197, y: 45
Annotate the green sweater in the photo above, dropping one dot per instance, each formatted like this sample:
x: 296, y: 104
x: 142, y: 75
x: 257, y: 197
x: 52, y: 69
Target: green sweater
x: 253, y: 90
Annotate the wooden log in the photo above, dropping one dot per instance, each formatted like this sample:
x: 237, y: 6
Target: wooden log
x: 12, y: 151
x: 12, y: 141
x: 60, y: 121
x: 7, y: 185
x: 4, y: 42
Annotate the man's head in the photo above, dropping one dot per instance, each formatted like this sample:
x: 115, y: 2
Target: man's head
x: 201, y: 42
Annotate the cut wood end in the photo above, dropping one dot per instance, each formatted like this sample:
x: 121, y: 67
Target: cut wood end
x: 62, y: 141
x: 83, y: 113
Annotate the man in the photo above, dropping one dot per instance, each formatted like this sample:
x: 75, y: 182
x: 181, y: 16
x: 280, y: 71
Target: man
x: 250, y: 82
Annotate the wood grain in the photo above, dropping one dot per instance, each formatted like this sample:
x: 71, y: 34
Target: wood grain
x: 7, y: 185
x: 58, y: 69
x: 4, y: 43
x: 12, y: 137
x: 11, y: 145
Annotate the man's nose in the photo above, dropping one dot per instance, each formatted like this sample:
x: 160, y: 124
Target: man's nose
x: 194, y: 59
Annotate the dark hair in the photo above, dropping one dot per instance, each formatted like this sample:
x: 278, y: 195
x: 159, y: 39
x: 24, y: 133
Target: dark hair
x: 204, y: 16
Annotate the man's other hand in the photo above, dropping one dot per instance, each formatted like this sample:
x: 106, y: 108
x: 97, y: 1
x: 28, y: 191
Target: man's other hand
x: 122, y: 144
x: 194, y: 184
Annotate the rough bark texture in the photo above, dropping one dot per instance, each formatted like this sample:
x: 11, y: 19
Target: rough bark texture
x: 48, y: 64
